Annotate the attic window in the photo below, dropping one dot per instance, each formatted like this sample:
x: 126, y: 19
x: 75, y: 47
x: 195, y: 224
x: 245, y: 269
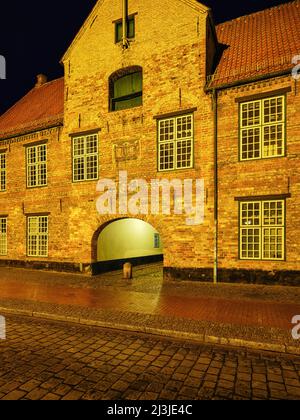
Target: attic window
x: 130, y: 29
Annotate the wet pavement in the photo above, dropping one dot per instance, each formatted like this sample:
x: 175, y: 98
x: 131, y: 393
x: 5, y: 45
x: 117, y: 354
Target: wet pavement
x: 162, y: 302
x: 52, y: 361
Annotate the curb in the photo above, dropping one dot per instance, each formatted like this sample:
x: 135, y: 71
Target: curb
x: 196, y: 338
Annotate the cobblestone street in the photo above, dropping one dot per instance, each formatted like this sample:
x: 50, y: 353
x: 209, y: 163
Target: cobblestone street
x: 50, y: 360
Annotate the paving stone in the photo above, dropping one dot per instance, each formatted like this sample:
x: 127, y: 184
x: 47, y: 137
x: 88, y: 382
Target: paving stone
x: 158, y: 369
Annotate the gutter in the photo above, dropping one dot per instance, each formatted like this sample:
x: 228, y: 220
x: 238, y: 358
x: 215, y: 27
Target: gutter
x: 214, y: 91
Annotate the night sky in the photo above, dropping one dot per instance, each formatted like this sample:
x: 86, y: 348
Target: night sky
x: 34, y: 36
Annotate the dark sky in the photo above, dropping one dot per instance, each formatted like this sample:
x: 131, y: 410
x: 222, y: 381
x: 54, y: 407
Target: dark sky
x: 34, y: 36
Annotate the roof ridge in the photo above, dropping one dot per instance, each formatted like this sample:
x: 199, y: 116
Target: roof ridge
x: 278, y: 6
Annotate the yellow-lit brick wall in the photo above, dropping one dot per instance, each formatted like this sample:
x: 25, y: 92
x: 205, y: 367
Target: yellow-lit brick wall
x: 263, y: 177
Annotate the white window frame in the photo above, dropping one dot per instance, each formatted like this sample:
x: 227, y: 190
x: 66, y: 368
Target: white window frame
x: 3, y: 171
x: 174, y: 141
x: 38, y: 165
x: 259, y: 125
x: 38, y: 235
x: 263, y: 224
x: 85, y: 155
x: 3, y: 236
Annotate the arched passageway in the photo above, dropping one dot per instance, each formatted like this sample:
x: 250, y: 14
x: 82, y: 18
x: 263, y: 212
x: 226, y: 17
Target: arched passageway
x: 127, y: 240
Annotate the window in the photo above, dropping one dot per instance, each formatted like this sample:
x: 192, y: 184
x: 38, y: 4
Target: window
x: 262, y: 128
x: 2, y: 172
x: 262, y: 230
x: 37, y: 241
x: 127, y: 91
x: 37, y: 166
x: 156, y: 240
x: 176, y: 142
x: 3, y: 236
x: 130, y: 29
x: 85, y: 158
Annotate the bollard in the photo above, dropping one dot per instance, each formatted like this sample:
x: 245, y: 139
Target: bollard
x: 127, y: 271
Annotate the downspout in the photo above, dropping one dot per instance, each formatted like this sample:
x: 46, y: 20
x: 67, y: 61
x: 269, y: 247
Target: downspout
x: 216, y: 193
x: 124, y: 25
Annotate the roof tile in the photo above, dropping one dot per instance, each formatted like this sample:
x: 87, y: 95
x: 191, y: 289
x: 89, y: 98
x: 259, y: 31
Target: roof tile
x: 40, y: 108
x: 261, y: 43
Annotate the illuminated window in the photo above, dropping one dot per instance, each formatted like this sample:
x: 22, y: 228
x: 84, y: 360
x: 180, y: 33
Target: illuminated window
x: 85, y: 158
x: 37, y: 166
x: 37, y: 240
x: 126, y: 91
x: 3, y: 236
x: 176, y: 142
x: 262, y: 128
x: 2, y: 172
x: 130, y: 29
x: 262, y: 230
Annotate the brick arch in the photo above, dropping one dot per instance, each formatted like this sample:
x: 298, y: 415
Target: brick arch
x: 94, y: 242
x: 123, y: 72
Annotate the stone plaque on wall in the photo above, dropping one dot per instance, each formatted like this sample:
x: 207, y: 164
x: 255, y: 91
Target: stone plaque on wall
x: 126, y: 150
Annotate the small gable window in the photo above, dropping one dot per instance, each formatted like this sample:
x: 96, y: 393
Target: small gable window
x: 126, y: 89
x: 130, y: 29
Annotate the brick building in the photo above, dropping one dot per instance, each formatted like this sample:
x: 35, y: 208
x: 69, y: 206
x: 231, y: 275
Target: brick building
x: 157, y: 90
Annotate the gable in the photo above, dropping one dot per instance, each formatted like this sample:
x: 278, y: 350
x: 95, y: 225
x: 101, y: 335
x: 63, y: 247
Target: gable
x: 96, y: 11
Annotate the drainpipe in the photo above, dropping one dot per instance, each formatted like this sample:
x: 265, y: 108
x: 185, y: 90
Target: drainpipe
x: 124, y: 24
x: 216, y: 193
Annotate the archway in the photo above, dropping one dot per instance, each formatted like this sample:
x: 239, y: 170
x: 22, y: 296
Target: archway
x: 126, y: 240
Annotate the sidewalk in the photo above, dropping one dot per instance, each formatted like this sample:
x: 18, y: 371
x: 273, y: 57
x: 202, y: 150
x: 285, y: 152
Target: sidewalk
x: 247, y: 316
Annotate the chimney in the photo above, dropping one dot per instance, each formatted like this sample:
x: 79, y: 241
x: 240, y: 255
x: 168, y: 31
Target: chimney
x: 41, y: 79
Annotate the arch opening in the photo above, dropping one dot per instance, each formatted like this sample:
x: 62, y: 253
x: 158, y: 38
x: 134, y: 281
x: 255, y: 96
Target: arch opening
x: 126, y: 240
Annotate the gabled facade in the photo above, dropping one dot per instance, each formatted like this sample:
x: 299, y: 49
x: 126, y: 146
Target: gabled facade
x: 155, y: 89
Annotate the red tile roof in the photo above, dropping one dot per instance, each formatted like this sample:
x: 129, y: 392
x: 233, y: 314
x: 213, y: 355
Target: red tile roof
x: 259, y: 44
x: 42, y: 107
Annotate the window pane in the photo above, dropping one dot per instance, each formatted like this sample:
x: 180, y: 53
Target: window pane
x: 166, y: 156
x: 127, y: 103
x: 37, y: 241
x: 167, y: 130
x: 184, y: 154
x: 85, y: 158
x: 131, y: 28
x: 128, y: 85
x: 273, y: 243
x: 3, y: 236
x: 273, y: 110
x: 250, y: 248
x: 119, y: 31
x: 184, y: 127
x: 273, y: 213
x: 2, y: 171
x: 250, y: 114
x: 78, y: 169
x: 273, y: 140
x: 250, y: 214
x: 250, y: 143
x: 266, y: 239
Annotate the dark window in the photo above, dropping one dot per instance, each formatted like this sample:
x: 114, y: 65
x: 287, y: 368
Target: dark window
x: 156, y: 240
x: 127, y: 91
x: 130, y: 29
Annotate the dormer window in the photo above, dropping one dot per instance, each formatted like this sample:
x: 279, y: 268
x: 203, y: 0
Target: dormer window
x: 126, y: 89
